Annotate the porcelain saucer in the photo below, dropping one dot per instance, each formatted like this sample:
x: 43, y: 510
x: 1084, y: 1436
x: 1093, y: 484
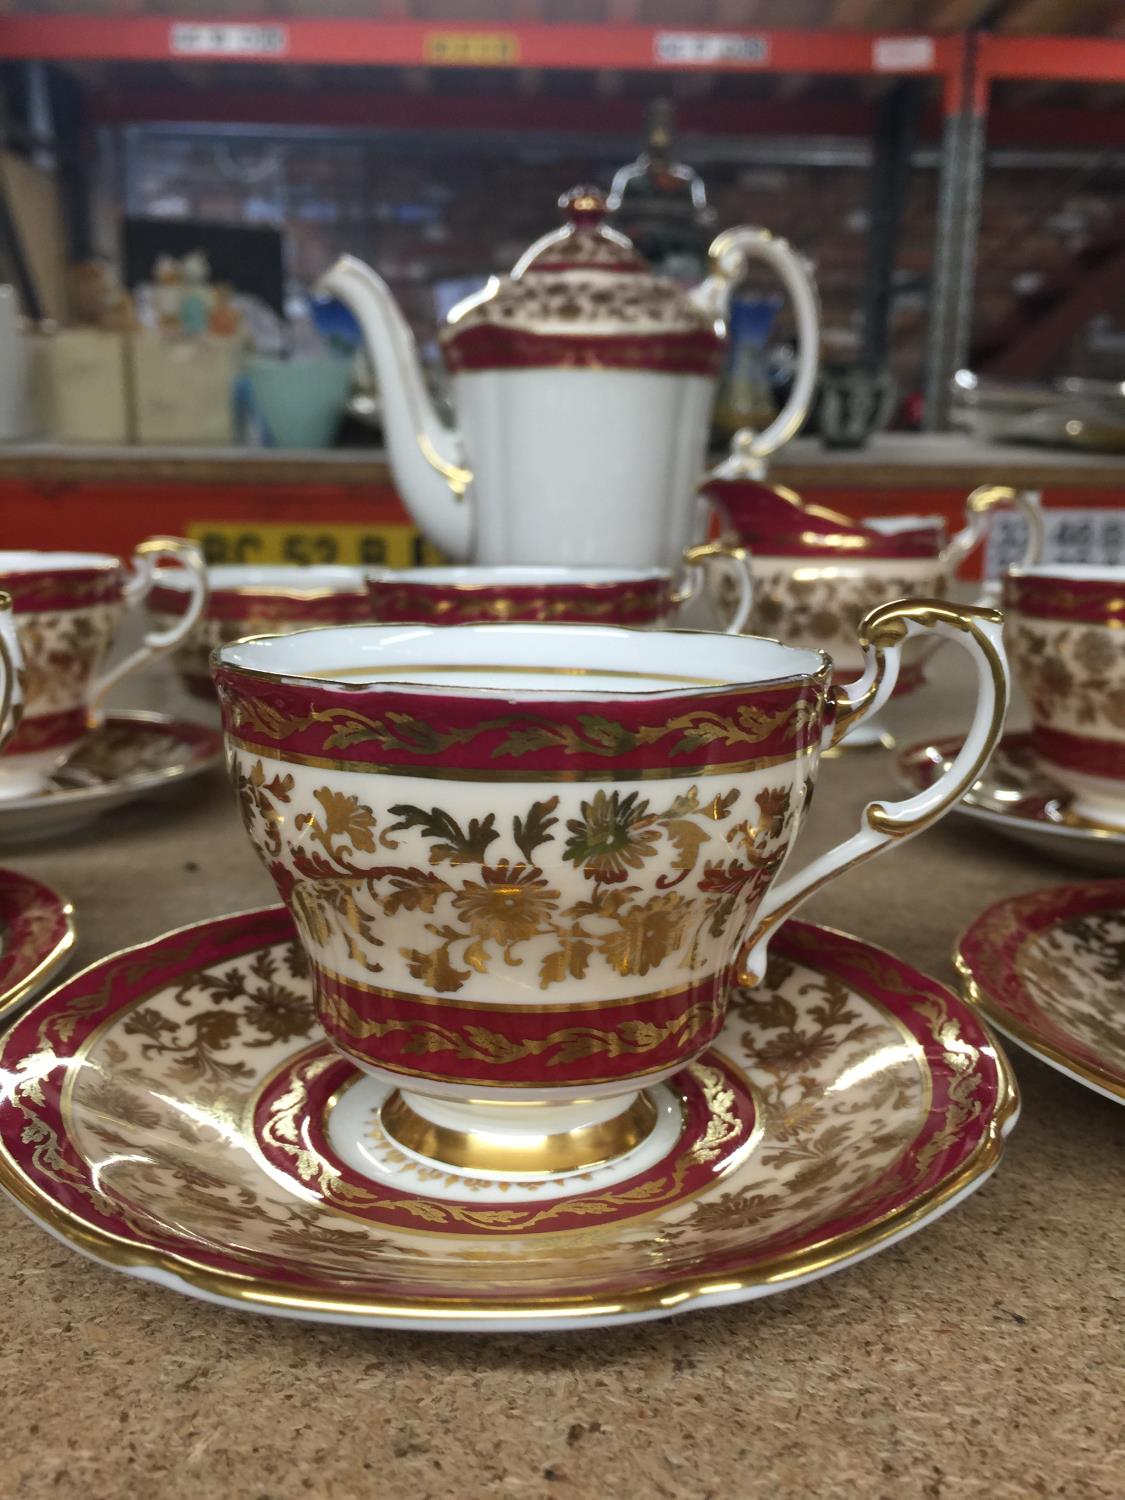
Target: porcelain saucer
x: 173, y: 1113
x: 1015, y: 797
x: 36, y: 935
x: 127, y: 755
x: 1048, y: 970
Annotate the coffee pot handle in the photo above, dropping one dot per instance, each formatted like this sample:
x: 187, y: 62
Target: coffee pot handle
x: 158, y: 642
x: 729, y: 563
x: 882, y: 635
x: 730, y: 253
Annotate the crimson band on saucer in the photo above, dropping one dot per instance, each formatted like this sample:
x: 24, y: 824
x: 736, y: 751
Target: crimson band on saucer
x: 47, y: 731
x: 1045, y: 968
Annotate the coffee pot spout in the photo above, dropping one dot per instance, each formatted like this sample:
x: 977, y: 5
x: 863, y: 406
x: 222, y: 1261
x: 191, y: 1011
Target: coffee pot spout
x: 426, y: 456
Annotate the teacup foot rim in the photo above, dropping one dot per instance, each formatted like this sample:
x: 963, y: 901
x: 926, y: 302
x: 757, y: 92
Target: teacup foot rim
x: 528, y: 1150
x: 37, y: 935
x: 1039, y: 968
x: 879, y: 1100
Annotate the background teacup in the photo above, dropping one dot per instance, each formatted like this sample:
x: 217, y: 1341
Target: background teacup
x: 573, y: 595
x: 524, y: 860
x: 1066, y: 637
x: 254, y: 600
x: 817, y: 574
x: 67, y: 608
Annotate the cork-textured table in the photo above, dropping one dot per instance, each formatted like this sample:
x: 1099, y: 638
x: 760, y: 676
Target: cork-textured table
x: 983, y: 1356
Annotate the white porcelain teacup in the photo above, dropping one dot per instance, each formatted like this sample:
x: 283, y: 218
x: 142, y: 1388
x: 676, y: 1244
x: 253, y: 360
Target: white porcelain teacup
x: 572, y: 595
x: 1066, y: 637
x: 67, y: 607
x: 528, y: 863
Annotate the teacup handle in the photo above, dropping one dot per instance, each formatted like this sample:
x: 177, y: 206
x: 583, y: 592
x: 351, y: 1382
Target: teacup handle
x: 8, y: 669
x: 730, y: 561
x: 157, y: 642
x: 882, y: 635
x: 978, y: 508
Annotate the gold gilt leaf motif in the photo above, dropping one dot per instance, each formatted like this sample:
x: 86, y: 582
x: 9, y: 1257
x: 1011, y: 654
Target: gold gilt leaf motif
x: 283, y: 1131
x: 804, y: 1028
x: 219, y: 1203
x: 486, y: 909
x: 1074, y: 677
x: 61, y: 652
x: 473, y: 1043
x: 525, y: 733
x: 1073, y: 969
x: 723, y: 1125
x: 826, y: 611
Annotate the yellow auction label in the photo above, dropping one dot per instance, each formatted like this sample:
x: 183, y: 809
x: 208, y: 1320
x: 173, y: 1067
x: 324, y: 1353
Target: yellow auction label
x: 470, y: 48
x: 305, y: 546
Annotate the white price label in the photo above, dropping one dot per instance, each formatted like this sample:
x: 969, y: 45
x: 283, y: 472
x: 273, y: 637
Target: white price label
x: 903, y: 54
x: 190, y: 40
x: 709, y: 47
x: 1070, y: 536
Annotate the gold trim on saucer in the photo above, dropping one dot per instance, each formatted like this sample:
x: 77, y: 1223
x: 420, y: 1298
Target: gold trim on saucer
x: 48, y: 965
x: 1031, y: 1041
x: 544, y: 1155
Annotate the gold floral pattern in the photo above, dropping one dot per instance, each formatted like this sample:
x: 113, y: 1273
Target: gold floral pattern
x: 62, y: 651
x: 474, y: 897
x: 1073, y: 675
x: 801, y: 606
x: 1075, y: 971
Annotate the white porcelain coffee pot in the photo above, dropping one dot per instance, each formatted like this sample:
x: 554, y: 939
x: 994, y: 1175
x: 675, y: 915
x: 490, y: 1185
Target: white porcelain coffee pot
x: 582, y: 386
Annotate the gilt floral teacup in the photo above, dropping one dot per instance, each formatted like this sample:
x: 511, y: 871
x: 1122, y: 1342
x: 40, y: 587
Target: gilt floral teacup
x: 572, y: 595
x: 817, y: 573
x: 254, y: 599
x: 1066, y: 637
x: 68, y: 607
x: 529, y: 862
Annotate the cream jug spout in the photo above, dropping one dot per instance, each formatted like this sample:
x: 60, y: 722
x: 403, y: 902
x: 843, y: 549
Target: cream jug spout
x: 426, y: 456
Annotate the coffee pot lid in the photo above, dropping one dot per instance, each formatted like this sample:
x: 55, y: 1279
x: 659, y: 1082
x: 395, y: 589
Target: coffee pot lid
x: 582, y: 297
